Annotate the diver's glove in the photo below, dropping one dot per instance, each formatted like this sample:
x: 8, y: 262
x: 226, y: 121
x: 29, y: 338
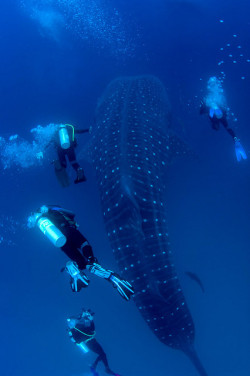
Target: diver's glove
x: 124, y: 288
x: 239, y: 150
x: 78, y: 278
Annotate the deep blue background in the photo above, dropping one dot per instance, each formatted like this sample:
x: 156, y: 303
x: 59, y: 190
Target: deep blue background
x: 42, y: 81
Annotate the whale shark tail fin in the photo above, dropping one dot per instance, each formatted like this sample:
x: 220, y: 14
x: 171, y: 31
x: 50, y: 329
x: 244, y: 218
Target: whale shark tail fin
x: 192, y: 355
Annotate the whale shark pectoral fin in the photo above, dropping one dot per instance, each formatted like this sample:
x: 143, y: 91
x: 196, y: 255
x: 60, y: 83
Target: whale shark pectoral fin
x: 127, y: 190
x: 196, y: 279
x: 134, y: 218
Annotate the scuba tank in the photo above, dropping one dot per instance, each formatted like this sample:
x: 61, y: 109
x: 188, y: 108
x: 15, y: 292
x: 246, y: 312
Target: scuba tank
x: 64, y: 137
x: 215, y: 111
x: 46, y: 226
x: 84, y: 347
x: 71, y: 324
x: 51, y: 232
x: 218, y: 113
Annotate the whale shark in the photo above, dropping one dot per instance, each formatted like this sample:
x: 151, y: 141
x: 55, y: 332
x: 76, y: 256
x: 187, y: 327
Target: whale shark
x: 131, y: 148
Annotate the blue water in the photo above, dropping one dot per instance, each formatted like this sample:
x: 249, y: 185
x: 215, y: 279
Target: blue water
x: 57, y: 58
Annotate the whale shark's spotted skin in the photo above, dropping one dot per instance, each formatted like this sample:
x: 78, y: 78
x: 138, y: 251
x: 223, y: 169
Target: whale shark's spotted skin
x: 131, y: 148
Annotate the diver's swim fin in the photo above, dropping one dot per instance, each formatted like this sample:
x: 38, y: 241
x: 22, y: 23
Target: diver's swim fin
x: 78, y: 277
x: 61, y: 174
x: 110, y: 372
x: 124, y: 288
x: 80, y: 176
x: 93, y: 371
x: 239, y: 150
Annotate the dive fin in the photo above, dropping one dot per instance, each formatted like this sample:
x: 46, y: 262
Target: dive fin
x: 123, y: 287
x: 93, y: 371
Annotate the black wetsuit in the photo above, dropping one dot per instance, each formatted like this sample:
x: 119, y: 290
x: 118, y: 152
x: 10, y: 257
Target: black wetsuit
x: 215, y: 121
x: 70, y: 152
x: 76, y: 247
x: 84, y: 331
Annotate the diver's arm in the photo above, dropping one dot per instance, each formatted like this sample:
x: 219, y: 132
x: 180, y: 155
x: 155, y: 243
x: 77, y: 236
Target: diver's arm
x: 92, y: 326
x: 68, y: 212
x: 87, y: 326
x: 51, y: 142
x: 56, y: 208
x: 72, y: 321
x: 79, y: 131
x: 203, y: 108
x: 87, y: 323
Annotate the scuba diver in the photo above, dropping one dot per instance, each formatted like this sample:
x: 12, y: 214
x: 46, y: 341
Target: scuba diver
x: 215, y: 106
x: 81, y: 330
x: 65, y: 143
x: 60, y: 227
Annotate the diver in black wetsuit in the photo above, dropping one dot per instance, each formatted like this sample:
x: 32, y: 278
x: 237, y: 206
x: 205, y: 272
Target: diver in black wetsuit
x: 217, y: 116
x: 65, y: 143
x: 214, y: 105
x: 60, y: 227
x: 82, y: 332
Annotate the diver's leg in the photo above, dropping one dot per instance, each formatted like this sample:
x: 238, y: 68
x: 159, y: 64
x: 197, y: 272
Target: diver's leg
x: 215, y: 124
x: 84, y: 247
x: 94, y: 346
x: 229, y: 130
x: 78, y: 262
x: 94, y: 365
x: 75, y: 165
x: 72, y: 158
x: 71, y: 250
x: 61, y: 156
x: 80, y: 251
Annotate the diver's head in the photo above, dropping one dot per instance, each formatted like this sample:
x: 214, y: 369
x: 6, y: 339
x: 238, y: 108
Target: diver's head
x: 215, y: 98
x: 214, y: 84
x: 34, y: 216
x: 212, y: 80
x: 87, y: 314
x: 44, y: 209
x: 31, y: 222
